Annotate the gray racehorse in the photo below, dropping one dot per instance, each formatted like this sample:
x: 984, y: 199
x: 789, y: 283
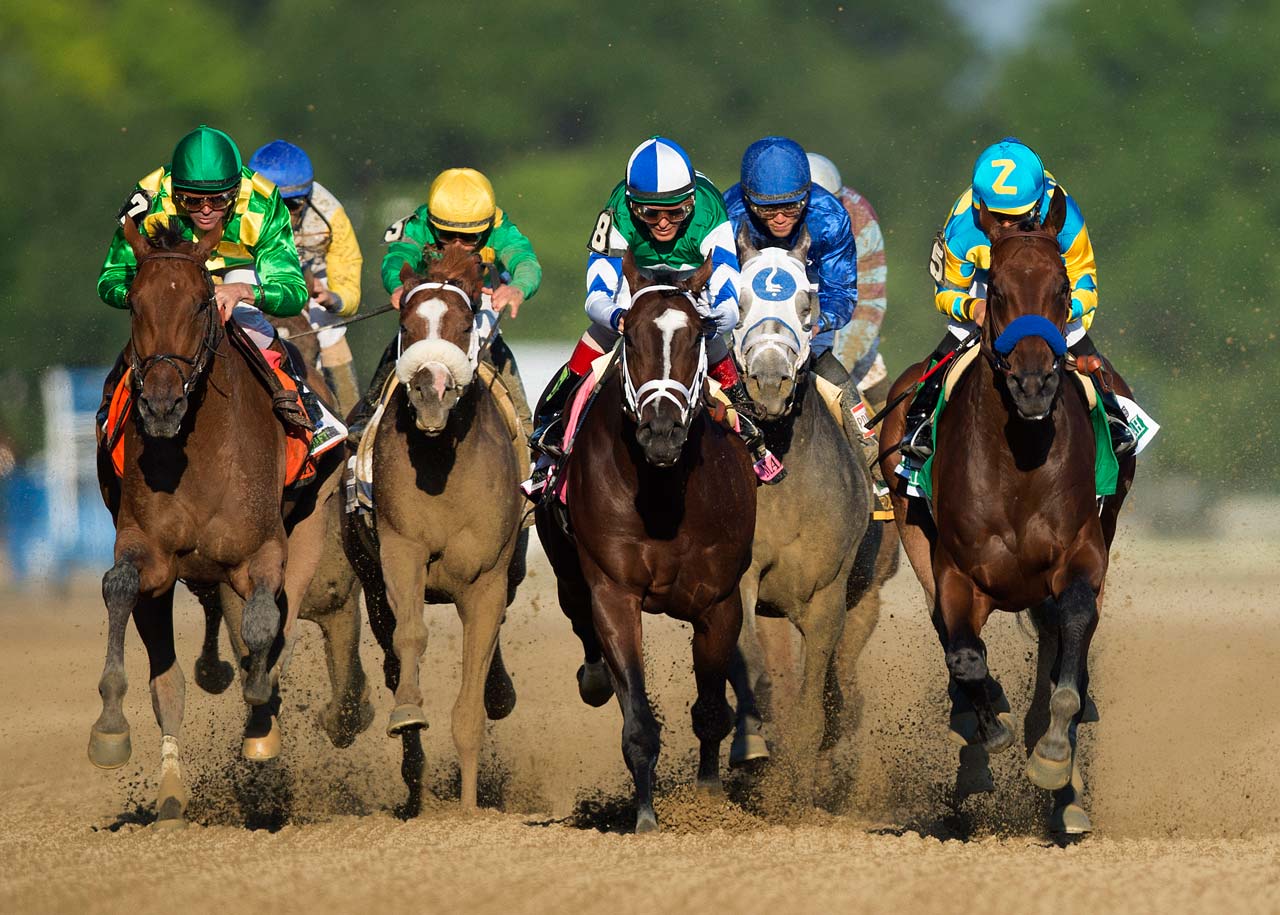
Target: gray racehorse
x: 811, y: 559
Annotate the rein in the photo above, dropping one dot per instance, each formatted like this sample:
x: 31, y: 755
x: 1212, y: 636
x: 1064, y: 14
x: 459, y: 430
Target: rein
x: 659, y: 389
x: 210, y: 344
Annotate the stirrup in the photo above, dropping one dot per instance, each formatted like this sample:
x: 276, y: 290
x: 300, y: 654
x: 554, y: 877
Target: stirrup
x: 1123, y: 441
x: 769, y: 469
x: 919, y: 442
x: 545, y: 441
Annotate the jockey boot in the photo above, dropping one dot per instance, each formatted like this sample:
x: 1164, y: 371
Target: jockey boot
x: 109, y: 389
x: 766, y: 465
x: 548, y: 429
x: 831, y: 368
x: 366, y: 405
x: 1123, y: 441
x: 313, y: 417
x: 917, y: 437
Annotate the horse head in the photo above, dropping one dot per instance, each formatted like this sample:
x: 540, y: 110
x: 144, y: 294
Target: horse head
x: 174, y: 324
x: 439, y: 343
x: 664, y: 360
x: 778, y: 311
x: 1028, y: 307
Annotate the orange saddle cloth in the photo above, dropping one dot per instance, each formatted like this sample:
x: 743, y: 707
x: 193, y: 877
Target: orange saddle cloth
x: 299, y: 468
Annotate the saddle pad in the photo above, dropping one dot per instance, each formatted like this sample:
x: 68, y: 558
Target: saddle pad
x: 833, y: 396
x: 299, y: 468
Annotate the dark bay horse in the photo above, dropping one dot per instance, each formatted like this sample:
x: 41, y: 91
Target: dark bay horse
x: 448, y: 512
x: 1015, y: 522
x: 810, y: 528
x: 662, y: 507
x: 200, y: 501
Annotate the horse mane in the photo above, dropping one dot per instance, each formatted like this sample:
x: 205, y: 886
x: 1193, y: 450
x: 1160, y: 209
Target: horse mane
x: 460, y: 267
x: 166, y: 235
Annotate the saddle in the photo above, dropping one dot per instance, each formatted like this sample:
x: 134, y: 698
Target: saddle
x: 300, y: 469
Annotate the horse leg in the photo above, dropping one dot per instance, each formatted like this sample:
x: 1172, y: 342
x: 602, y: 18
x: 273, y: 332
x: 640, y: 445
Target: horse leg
x: 746, y: 671
x: 349, y: 711
x: 481, y: 607
x: 259, y: 580
x: 261, y: 739
x: 820, y: 623
x: 617, y: 617
x: 109, y: 744
x: 595, y: 687
x: 404, y: 571
x: 499, y: 691
x: 979, y: 711
x: 715, y: 636
x: 153, y: 617
x: 1050, y: 763
x: 213, y: 675
x: 875, y: 561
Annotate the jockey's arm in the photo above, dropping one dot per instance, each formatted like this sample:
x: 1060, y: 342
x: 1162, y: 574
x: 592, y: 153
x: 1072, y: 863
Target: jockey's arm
x: 869, y: 307
x: 604, y: 279
x: 721, y: 293
x: 838, y: 277
x: 117, y: 272
x: 282, y: 291
x: 951, y: 294
x: 343, y: 263
x: 1082, y: 271
x: 515, y: 253
x: 405, y: 240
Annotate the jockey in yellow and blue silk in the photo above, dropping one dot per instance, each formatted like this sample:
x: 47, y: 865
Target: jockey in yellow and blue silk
x: 1010, y: 179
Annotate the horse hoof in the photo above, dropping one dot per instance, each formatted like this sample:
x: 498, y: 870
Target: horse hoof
x: 1049, y: 774
x: 262, y: 747
x: 406, y: 718
x: 341, y: 725
x: 1089, y: 714
x: 646, y: 821
x: 709, y: 789
x: 747, y: 748
x: 594, y: 685
x: 109, y: 751
x: 1003, y: 738
x: 1070, y: 820
x: 257, y: 690
x: 214, y: 676
x: 973, y: 776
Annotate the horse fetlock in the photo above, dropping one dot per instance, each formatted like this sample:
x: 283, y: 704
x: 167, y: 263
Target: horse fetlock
x: 261, y: 621
x: 967, y: 665
x: 1050, y: 763
x: 595, y: 685
x: 120, y: 586
x: 712, y: 719
x: 213, y: 675
x: 646, y: 821
x: 499, y: 692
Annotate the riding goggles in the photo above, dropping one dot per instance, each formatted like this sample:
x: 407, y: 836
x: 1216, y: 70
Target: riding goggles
x: 445, y: 236
x: 651, y: 215
x: 194, y: 203
x: 789, y: 210
x: 297, y: 204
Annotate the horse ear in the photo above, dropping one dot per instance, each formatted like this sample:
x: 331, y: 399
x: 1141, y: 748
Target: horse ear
x: 406, y: 271
x: 137, y: 241
x: 1057, y: 212
x: 630, y: 272
x: 986, y: 222
x: 746, y: 250
x: 696, y: 283
x: 801, y: 251
x: 209, y: 242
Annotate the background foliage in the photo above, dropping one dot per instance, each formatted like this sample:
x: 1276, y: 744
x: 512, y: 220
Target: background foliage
x: 1161, y: 118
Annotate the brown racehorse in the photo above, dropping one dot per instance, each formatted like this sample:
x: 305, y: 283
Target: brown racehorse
x: 200, y: 501
x: 1017, y: 522
x: 448, y: 512
x: 661, y: 504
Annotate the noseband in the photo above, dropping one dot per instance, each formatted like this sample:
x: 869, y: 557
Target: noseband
x: 212, y: 336
x: 659, y: 389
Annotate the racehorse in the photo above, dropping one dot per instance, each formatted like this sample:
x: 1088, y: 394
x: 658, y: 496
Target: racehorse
x: 661, y: 507
x: 1015, y: 522
x: 810, y: 529
x: 200, y: 500
x: 448, y: 514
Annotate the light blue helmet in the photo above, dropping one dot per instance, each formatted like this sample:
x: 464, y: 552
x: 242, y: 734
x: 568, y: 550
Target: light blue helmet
x: 660, y: 172
x: 1009, y: 178
x: 287, y: 165
x: 775, y: 170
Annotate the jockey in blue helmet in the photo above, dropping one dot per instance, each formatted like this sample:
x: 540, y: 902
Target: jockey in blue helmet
x: 329, y: 253
x: 1012, y: 182
x: 774, y: 201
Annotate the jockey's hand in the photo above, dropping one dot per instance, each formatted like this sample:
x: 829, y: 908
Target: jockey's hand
x: 505, y: 296
x: 395, y: 298
x: 979, y: 311
x: 327, y: 300
x: 229, y: 295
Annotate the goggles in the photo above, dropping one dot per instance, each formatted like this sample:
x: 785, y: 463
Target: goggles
x: 446, y: 236
x: 296, y: 205
x: 195, y: 203
x: 651, y: 215
x: 789, y: 210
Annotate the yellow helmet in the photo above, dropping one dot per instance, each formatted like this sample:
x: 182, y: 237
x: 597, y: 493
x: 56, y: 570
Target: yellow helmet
x: 461, y: 200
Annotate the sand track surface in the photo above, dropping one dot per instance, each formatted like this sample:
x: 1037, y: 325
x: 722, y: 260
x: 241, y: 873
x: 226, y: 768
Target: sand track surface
x: 1183, y: 775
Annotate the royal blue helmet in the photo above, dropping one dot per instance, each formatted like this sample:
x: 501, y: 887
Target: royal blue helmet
x: 775, y: 170
x: 660, y: 172
x: 1008, y: 177
x: 287, y: 165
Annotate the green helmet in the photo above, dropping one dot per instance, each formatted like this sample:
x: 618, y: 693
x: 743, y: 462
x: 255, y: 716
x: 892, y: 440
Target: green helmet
x: 205, y: 161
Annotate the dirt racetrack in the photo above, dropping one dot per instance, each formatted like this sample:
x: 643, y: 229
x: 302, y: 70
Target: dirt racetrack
x: 1183, y: 776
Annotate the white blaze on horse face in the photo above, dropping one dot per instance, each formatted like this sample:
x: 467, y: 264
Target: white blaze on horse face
x: 432, y: 311
x: 669, y: 322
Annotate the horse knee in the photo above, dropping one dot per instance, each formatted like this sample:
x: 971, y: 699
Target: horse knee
x: 967, y: 665
x: 261, y: 621
x: 120, y: 586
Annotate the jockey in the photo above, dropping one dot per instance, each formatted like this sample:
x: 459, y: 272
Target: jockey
x: 774, y: 200
x: 1011, y: 180
x: 255, y: 267
x: 858, y: 343
x: 460, y: 210
x: 330, y: 255
x: 671, y: 218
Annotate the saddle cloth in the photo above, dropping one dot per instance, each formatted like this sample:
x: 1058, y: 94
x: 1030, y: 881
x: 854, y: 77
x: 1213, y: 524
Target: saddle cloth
x: 300, y: 468
x: 360, y: 465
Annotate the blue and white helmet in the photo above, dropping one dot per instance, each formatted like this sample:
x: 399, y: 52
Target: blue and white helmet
x: 824, y: 172
x: 287, y: 165
x: 1009, y: 178
x: 775, y: 171
x: 660, y: 172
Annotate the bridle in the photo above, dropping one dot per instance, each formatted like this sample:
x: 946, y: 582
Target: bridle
x: 686, y: 398
x: 212, y: 337
x: 997, y: 347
